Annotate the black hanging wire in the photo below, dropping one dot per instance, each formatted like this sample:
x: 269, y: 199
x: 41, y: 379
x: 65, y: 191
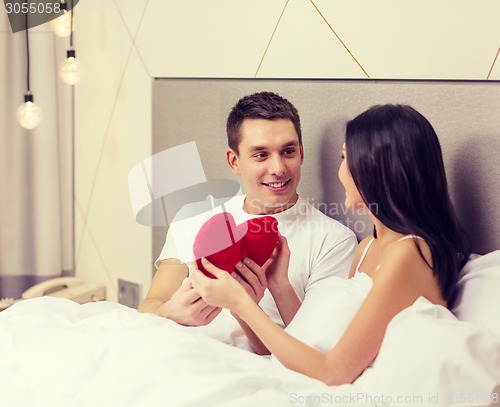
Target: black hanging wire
x: 27, y: 52
x: 71, y: 52
x: 71, y: 26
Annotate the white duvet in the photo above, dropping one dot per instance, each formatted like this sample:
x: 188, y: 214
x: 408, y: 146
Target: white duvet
x: 55, y: 352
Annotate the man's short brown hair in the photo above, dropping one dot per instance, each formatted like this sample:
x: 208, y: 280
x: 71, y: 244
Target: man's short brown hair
x: 262, y: 105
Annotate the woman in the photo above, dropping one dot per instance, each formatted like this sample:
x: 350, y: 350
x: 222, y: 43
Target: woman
x: 393, y: 168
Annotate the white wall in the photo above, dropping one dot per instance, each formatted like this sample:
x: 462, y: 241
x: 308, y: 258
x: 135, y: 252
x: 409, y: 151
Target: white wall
x: 126, y: 43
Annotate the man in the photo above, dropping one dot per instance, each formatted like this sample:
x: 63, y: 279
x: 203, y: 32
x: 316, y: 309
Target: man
x: 266, y: 151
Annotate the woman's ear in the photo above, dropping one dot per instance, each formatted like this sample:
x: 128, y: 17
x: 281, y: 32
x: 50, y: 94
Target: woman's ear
x: 233, y: 161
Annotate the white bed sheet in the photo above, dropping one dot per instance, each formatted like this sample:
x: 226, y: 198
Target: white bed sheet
x: 55, y: 352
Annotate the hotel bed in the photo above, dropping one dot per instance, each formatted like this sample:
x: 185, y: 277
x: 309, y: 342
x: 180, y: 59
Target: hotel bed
x: 55, y: 352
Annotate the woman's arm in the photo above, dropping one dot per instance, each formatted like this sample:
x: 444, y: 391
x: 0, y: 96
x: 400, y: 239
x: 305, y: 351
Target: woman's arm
x: 228, y: 293
x: 274, y: 276
x: 403, y: 276
x: 401, y: 279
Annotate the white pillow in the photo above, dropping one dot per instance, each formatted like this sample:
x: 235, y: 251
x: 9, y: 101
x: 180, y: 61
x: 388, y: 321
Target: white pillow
x: 327, y: 310
x: 430, y: 358
x: 478, y: 292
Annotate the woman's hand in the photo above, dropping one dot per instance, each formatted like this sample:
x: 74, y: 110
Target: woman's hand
x: 252, y: 277
x: 276, y: 267
x: 222, y: 291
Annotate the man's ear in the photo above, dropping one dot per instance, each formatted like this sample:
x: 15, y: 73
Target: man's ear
x: 233, y: 161
x: 301, y: 149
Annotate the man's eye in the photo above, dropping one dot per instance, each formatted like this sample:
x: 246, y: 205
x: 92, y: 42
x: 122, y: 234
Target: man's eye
x: 260, y: 155
x: 289, y: 151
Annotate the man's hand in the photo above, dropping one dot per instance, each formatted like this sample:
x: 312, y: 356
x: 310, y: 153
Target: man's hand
x: 171, y: 297
x: 228, y: 291
x: 276, y: 269
x: 186, y: 307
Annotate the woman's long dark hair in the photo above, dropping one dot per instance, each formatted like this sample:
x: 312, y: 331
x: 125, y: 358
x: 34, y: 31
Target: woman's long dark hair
x: 395, y: 160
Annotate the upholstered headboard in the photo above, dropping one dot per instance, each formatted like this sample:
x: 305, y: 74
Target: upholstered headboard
x: 465, y: 115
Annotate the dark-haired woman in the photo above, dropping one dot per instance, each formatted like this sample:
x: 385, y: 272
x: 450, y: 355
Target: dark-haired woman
x: 393, y: 168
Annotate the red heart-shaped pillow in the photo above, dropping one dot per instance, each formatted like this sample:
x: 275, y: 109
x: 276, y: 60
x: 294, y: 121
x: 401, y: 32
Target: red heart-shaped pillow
x: 225, y: 244
x: 260, y: 238
x: 219, y: 240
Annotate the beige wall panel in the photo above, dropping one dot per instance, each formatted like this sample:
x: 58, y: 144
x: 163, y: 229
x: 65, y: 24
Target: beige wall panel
x: 448, y: 39
x: 223, y: 38
x: 131, y: 11
x: 494, y: 71
x: 304, y: 46
x: 104, y: 47
x: 124, y: 244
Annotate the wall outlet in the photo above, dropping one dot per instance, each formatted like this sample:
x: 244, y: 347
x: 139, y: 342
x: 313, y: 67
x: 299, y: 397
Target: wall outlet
x: 129, y: 293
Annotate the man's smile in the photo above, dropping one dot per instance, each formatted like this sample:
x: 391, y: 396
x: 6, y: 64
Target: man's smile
x: 277, y: 186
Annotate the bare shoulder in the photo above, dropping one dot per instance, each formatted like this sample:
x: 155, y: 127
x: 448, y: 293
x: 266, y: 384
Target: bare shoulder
x: 364, y: 242
x: 408, y: 260
x: 409, y: 251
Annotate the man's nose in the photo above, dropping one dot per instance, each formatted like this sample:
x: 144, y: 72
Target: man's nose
x: 277, y: 166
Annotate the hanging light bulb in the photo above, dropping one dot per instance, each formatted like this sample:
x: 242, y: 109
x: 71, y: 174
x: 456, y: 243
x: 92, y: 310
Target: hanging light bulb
x: 62, y: 26
x: 29, y: 115
x: 71, y: 69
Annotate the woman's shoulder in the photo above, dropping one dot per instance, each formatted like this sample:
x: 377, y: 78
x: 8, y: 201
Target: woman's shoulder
x: 411, y: 246
x: 407, y: 254
x: 363, y: 244
x: 406, y: 268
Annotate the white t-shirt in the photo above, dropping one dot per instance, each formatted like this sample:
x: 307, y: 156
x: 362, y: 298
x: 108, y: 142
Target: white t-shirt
x: 320, y: 247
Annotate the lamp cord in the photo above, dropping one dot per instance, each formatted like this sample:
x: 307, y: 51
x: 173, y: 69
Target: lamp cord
x: 27, y: 51
x: 71, y: 27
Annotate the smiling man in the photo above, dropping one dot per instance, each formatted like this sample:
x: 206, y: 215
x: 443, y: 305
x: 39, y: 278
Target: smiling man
x: 266, y: 152
x: 268, y: 161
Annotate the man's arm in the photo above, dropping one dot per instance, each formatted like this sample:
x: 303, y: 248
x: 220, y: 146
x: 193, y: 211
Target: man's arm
x: 169, y: 298
x: 167, y: 279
